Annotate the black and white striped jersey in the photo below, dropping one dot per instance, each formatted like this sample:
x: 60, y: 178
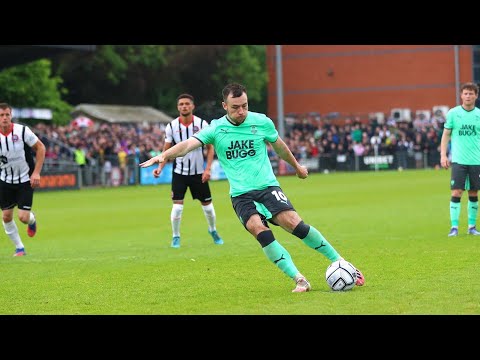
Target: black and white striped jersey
x: 175, y: 132
x: 16, y: 159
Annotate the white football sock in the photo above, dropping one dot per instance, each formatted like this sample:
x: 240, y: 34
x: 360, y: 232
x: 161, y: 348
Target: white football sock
x: 11, y: 230
x: 209, y: 212
x: 176, y: 218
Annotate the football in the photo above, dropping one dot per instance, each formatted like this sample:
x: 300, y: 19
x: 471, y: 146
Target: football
x: 341, y: 275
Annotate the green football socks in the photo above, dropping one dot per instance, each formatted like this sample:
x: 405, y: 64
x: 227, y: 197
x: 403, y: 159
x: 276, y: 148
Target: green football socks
x: 278, y: 255
x: 472, y: 213
x: 455, y: 207
x: 316, y: 241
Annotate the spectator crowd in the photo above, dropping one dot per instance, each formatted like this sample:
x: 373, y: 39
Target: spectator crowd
x: 309, y: 136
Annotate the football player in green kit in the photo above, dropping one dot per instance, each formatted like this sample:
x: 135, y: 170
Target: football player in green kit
x: 462, y: 128
x: 239, y: 139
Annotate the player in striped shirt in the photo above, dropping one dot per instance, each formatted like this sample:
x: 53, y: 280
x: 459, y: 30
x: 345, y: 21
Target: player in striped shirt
x: 19, y: 175
x: 189, y: 171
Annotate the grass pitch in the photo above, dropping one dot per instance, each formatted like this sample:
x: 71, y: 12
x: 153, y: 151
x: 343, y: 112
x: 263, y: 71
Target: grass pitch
x: 107, y: 251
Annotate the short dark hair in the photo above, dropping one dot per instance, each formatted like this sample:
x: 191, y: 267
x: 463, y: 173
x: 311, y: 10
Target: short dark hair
x: 470, y: 86
x: 235, y: 89
x: 4, y: 105
x: 185, y: 96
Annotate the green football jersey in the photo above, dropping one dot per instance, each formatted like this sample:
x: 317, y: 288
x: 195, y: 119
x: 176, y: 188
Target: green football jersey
x: 242, y: 151
x: 465, y: 137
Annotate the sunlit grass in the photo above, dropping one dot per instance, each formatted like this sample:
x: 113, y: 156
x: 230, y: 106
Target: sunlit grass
x: 106, y: 251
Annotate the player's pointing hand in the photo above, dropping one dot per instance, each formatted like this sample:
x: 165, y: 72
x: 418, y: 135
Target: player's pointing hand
x: 154, y: 160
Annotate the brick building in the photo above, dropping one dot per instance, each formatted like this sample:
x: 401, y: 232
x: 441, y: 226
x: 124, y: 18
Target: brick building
x: 362, y: 79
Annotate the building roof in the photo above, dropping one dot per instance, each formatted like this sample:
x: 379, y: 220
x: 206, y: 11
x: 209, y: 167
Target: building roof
x: 121, y: 113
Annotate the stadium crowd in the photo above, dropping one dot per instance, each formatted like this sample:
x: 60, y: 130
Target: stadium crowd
x: 310, y: 136
x: 415, y: 144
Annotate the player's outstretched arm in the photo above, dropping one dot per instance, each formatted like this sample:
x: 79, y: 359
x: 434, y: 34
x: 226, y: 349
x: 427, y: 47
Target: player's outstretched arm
x: 180, y: 149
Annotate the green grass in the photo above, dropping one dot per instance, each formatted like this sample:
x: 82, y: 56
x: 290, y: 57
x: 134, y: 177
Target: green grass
x: 106, y: 251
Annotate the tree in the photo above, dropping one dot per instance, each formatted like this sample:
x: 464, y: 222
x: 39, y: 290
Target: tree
x: 113, y: 74
x: 153, y: 75
x: 146, y: 75
x: 32, y: 85
x: 203, y: 70
x: 245, y: 64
